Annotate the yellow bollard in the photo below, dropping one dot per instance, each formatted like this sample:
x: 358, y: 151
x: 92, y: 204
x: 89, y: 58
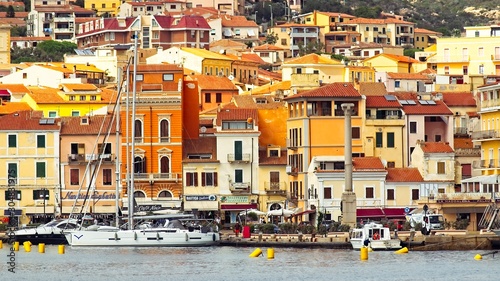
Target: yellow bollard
x: 41, y: 248
x: 478, y: 257
x: 402, y: 251
x: 16, y: 246
x: 363, y: 253
x: 27, y: 246
x: 256, y: 253
x: 61, y: 249
x: 270, y: 253
x: 1, y: 244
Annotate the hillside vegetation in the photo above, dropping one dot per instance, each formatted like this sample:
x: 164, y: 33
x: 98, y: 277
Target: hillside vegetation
x: 446, y: 16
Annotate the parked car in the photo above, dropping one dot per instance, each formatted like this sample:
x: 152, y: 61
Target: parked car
x: 327, y: 224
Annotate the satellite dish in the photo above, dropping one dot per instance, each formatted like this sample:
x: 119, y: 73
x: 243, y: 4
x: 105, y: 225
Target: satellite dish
x: 203, y: 129
x: 231, y: 77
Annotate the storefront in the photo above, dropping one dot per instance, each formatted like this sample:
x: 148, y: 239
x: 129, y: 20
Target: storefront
x: 202, y: 206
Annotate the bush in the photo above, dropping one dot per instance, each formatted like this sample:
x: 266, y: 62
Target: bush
x: 460, y: 224
x: 344, y: 228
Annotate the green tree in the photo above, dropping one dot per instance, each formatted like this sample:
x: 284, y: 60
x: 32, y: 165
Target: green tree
x: 271, y: 38
x: 311, y: 47
x: 55, y: 50
x: 27, y: 5
x: 340, y: 57
x: 80, y: 3
x: 410, y: 52
x: 18, y: 31
x: 10, y: 12
x: 325, y: 6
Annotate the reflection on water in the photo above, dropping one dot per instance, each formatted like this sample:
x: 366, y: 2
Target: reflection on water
x: 228, y: 263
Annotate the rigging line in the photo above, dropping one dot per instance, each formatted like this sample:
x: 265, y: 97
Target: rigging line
x: 84, y: 206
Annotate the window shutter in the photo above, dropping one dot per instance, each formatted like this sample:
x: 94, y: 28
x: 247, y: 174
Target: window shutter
x: 189, y: 180
x: 215, y: 179
x: 195, y: 179
x: 203, y: 179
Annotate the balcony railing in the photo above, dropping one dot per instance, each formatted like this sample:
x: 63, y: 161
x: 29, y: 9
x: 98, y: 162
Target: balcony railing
x: 487, y: 134
x: 490, y: 103
x: 75, y: 158
x: 245, y: 157
x: 291, y: 144
x: 486, y: 164
x: 278, y: 188
x: 292, y: 171
x: 460, y: 131
x: 151, y: 177
x: 239, y: 187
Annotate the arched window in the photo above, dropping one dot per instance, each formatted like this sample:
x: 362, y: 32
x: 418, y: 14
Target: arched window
x: 139, y: 194
x: 165, y: 194
x: 138, y: 130
x: 139, y: 164
x: 164, y: 131
x: 164, y: 165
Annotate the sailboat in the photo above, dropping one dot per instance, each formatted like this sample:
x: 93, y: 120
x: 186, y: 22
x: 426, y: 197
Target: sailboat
x: 172, y: 230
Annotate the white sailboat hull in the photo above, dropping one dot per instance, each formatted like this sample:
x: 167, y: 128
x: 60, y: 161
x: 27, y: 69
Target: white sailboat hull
x: 141, y: 238
x: 390, y: 244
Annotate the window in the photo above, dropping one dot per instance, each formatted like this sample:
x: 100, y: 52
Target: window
x: 218, y: 97
x: 93, y: 98
x: 12, y: 140
x: 41, y: 194
x: 138, y: 131
x: 447, y: 70
x: 437, y: 138
x: 40, y: 141
x: 106, y: 177
x: 391, y: 164
x: 52, y: 114
x: 71, y: 98
x: 480, y: 51
x: 139, y: 77
x: 413, y: 127
x: 327, y: 193
x: 356, y: 132
x: 12, y: 195
x: 103, y: 5
x: 164, y: 131
x: 390, y: 139
x: 139, y: 164
x: 191, y: 179
x: 75, y: 113
x: 378, y: 139
x: 74, y: 176
x: 367, y: 28
x: 415, y: 195
x: 283, y: 41
x: 273, y: 153
x: 390, y: 194
x: 465, y: 70
x: 397, y: 83
x: 209, y: 179
x: 208, y: 98
x: 369, y: 192
x: 238, y: 176
x: 441, y: 168
x: 40, y: 170
x: 12, y: 174
x: 168, y: 77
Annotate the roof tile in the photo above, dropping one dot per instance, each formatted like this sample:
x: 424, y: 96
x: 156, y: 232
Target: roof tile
x: 403, y: 175
x: 436, y: 147
x: 337, y: 89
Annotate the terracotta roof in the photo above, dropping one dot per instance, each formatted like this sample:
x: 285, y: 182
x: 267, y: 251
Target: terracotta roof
x: 418, y: 108
x: 74, y: 126
x: 10, y: 107
x: 372, y: 88
x: 249, y: 101
x: 228, y: 43
x: 382, y: 102
x: 237, y: 21
x: 267, y: 47
x: 397, y: 58
x: 294, y: 25
x: 403, y: 175
x: 314, y: 59
x: 463, y: 143
x: 158, y: 67
x: 436, y: 147
x: 423, y: 30
x: 272, y: 160
x: 459, y: 99
x: 202, y: 145
x: 31, y: 38
x: 428, y: 71
x: 63, y: 8
x: 14, y: 88
x: 270, y: 74
x: 337, y: 89
x: 473, y: 114
x: 78, y: 87
x: 25, y: 121
x: 270, y: 88
x: 236, y: 114
x: 407, y: 76
x: 211, y: 82
x: 253, y: 57
x: 367, y: 163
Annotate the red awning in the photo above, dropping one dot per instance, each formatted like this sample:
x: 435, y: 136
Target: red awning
x: 4, y: 93
x: 238, y: 206
x: 370, y: 213
x: 394, y: 212
x: 304, y: 213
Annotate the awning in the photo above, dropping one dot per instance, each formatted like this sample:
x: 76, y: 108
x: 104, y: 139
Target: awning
x: 394, y: 212
x: 4, y: 93
x: 370, y: 213
x: 304, y: 213
x: 491, y: 179
x: 228, y: 33
x: 17, y: 212
x: 250, y: 32
x: 239, y: 207
x: 201, y: 205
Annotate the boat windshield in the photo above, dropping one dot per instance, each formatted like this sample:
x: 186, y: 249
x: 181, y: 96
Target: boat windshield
x: 53, y: 223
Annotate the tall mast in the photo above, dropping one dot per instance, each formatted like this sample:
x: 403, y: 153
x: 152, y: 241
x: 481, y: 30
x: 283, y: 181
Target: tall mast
x: 117, y: 153
x: 132, y: 148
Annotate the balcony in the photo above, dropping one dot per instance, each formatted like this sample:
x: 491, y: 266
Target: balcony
x: 239, y: 187
x: 486, y: 164
x: 489, y: 103
x: 495, y: 57
x: 48, y: 20
x: 482, y: 135
x: 448, y: 58
x: 84, y: 158
x: 239, y: 158
x: 463, y: 197
x: 64, y: 19
x: 292, y: 171
x: 275, y: 188
x: 76, y: 158
x: 460, y: 131
x: 152, y: 177
x: 291, y: 144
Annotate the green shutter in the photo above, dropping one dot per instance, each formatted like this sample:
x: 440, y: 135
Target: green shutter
x: 378, y: 139
x: 390, y: 139
x: 238, y: 150
x: 40, y: 141
x: 238, y: 176
x: 40, y: 169
x: 12, y: 141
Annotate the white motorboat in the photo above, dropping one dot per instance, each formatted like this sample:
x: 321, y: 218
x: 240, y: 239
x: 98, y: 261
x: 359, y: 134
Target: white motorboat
x: 375, y: 236
x: 173, y: 233
x: 49, y: 233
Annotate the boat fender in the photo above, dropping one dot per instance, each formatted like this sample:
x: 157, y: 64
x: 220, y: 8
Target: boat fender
x: 116, y: 236
x: 157, y: 236
x: 213, y: 237
x: 187, y: 237
x: 135, y: 235
x: 366, y: 242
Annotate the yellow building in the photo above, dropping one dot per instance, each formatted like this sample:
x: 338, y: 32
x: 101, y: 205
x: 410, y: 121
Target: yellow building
x: 212, y: 63
x: 103, y: 7
x: 315, y: 127
x: 70, y: 100
x: 29, y: 145
x: 329, y: 22
x: 425, y: 38
x: 312, y: 70
x: 392, y: 63
x: 4, y: 43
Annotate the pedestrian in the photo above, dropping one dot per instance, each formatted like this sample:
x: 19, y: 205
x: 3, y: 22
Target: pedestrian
x: 237, y: 229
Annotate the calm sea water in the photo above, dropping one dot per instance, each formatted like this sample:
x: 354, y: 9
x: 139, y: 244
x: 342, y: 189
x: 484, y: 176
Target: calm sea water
x: 230, y: 263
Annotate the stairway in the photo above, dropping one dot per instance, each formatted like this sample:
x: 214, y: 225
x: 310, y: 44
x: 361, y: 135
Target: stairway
x: 490, y: 219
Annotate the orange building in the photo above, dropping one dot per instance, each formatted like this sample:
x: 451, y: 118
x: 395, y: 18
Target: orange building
x: 158, y: 132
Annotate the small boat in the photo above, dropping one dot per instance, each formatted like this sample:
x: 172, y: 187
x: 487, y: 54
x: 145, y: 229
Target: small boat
x: 375, y: 236
x: 173, y: 233
x: 49, y: 233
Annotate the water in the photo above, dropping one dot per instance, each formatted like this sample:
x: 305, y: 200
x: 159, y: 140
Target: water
x: 231, y: 263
